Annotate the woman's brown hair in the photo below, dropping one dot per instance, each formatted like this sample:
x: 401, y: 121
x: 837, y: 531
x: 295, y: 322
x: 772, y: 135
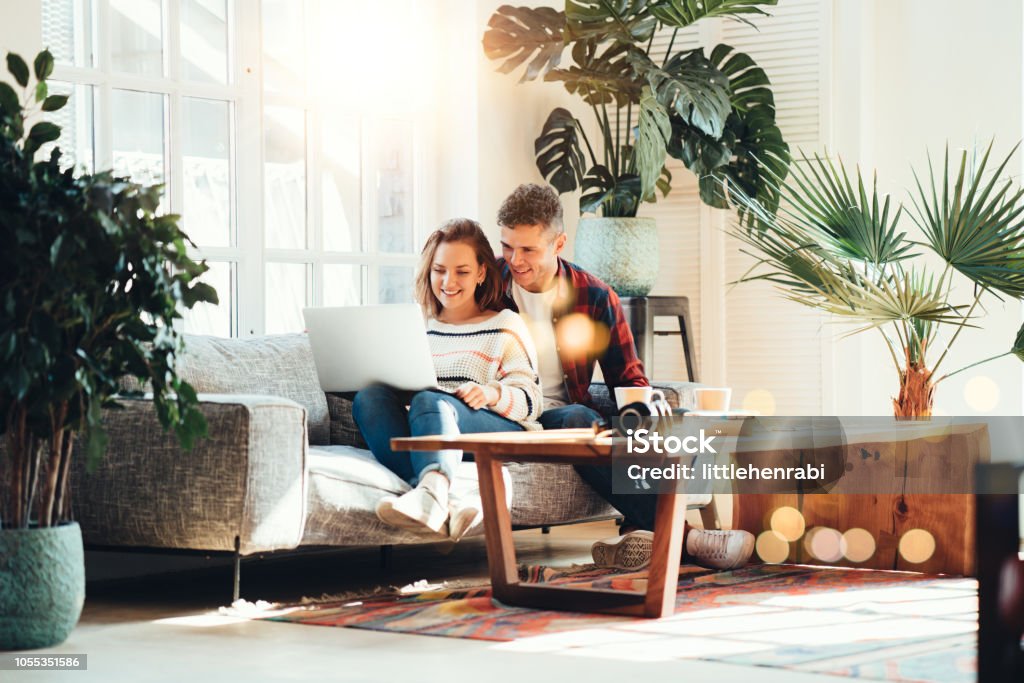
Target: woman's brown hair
x: 488, y: 293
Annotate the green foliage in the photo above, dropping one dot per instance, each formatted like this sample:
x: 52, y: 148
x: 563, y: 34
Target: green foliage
x: 716, y: 114
x: 835, y: 247
x: 91, y: 281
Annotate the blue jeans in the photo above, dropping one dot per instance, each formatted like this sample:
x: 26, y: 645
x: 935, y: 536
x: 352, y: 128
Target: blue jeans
x: 379, y: 411
x: 638, y: 510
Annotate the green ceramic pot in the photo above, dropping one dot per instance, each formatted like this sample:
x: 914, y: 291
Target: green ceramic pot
x: 621, y: 251
x: 42, y: 585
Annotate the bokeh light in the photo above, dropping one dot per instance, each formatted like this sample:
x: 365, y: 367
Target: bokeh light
x: 759, y: 401
x: 771, y: 547
x: 857, y: 545
x: 788, y: 523
x: 824, y: 544
x: 578, y: 335
x: 917, y: 546
x: 981, y: 393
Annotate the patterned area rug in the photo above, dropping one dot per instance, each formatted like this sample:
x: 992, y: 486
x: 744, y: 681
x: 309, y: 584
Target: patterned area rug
x: 886, y: 626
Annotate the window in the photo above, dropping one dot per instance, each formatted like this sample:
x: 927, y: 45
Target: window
x: 153, y: 99
x: 288, y: 137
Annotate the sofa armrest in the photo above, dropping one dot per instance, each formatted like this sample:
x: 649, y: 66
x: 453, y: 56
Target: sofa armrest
x: 245, y: 479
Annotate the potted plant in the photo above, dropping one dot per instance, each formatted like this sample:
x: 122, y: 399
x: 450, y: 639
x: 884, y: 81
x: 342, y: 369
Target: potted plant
x: 836, y: 248
x: 715, y: 113
x: 91, y: 281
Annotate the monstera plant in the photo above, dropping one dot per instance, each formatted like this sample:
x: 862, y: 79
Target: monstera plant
x: 713, y: 111
x: 837, y: 247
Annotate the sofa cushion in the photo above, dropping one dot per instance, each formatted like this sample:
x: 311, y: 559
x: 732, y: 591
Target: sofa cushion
x: 345, y: 484
x: 277, y: 365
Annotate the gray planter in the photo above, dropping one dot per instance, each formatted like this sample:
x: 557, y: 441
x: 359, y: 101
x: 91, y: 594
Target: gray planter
x: 621, y: 251
x: 42, y: 585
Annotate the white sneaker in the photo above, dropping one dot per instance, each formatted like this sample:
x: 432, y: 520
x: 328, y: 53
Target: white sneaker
x: 463, y: 519
x: 719, y: 549
x: 629, y: 551
x: 415, y: 510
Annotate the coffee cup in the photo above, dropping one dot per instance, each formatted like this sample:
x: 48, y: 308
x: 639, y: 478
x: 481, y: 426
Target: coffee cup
x: 652, y: 398
x: 713, y: 398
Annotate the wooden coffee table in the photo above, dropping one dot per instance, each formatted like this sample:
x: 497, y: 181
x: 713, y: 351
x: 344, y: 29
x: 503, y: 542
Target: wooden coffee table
x: 570, y: 446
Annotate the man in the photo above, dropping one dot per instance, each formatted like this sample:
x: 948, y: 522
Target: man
x: 546, y: 289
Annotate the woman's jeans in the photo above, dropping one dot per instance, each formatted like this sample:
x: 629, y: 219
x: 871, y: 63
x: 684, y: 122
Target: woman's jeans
x: 379, y: 411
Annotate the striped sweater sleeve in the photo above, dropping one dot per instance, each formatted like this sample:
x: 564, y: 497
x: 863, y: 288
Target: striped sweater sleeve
x: 518, y: 384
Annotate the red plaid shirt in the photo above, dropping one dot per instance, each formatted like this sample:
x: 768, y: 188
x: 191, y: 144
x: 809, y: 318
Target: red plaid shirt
x: 581, y: 292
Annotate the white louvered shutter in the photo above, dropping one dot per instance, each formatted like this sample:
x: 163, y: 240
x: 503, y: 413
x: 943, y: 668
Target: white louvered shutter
x: 775, y: 347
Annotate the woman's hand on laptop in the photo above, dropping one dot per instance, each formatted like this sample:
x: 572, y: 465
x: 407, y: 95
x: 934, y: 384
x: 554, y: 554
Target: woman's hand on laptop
x: 477, y: 396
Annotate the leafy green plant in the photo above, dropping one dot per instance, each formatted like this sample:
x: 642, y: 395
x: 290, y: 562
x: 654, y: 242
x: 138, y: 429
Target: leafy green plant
x: 836, y: 247
x: 715, y: 113
x: 91, y: 280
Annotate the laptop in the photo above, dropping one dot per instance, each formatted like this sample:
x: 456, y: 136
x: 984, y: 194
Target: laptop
x: 356, y: 346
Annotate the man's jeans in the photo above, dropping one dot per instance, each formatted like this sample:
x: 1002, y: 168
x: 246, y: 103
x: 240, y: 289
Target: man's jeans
x: 379, y: 411
x: 637, y: 509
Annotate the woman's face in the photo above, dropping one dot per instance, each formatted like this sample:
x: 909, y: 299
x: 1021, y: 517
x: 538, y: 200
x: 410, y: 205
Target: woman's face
x: 454, y: 276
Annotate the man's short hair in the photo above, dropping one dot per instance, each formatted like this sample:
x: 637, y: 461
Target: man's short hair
x: 532, y: 204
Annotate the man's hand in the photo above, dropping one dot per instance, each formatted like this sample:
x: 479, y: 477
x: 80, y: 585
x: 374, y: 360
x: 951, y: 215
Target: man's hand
x: 477, y: 396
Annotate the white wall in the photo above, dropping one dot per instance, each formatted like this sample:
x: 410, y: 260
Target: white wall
x: 910, y: 76
x: 19, y: 31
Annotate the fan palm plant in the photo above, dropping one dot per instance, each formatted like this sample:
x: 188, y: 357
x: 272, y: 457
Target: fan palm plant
x: 715, y: 113
x: 836, y: 247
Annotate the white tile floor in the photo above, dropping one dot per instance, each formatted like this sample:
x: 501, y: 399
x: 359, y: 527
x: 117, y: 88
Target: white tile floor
x: 168, y: 629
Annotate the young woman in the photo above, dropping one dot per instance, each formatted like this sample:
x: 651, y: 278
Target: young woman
x: 487, y: 373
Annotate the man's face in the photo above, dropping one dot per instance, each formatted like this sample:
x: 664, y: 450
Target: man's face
x: 532, y: 254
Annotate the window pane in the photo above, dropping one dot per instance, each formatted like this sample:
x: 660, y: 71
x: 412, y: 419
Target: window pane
x: 75, y: 119
x: 136, y: 30
x: 138, y: 135
x: 284, y: 177
x: 343, y: 284
x: 204, y: 318
x: 67, y: 31
x: 284, y: 60
x: 206, y: 161
x: 285, y: 297
x: 395, y: 285
x: 394, y: 187
x: 341, y: 184
x: 204, y: 40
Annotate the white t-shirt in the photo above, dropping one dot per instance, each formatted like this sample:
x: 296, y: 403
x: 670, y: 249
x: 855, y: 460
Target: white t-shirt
x: 537, y: 309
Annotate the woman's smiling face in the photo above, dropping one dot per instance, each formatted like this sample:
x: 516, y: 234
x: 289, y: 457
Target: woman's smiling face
x: 454, y: 276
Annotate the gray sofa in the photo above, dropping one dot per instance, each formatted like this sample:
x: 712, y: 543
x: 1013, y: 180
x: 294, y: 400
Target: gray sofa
x: 284, y: 465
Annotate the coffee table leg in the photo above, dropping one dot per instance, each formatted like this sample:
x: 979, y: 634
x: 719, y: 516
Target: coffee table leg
x: 663, y: 576
x: 501, y: 552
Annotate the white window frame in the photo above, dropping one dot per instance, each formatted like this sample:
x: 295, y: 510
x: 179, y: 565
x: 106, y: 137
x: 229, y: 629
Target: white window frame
x: 247, y: 254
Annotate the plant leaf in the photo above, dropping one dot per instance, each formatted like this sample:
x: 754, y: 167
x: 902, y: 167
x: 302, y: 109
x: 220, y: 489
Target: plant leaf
x: 18, y: 68
x: 976, y: 224
x: 653, y: 133
x: 599, y: 78
x: 691, y: 87
x: 43, y: 65
x: 9, y: 100
x: 622, y: 21
x: 518, y: 34
x: 559, y: 158
x: 682, y: 13
x: 55, y: 102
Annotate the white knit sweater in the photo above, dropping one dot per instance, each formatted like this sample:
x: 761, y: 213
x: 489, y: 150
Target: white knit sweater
x: 497, y: 352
